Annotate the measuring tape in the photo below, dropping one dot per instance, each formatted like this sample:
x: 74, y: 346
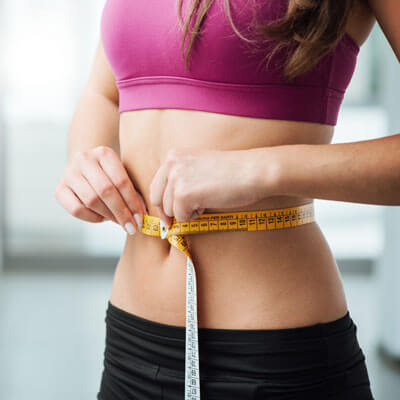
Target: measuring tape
x: 220, y: 222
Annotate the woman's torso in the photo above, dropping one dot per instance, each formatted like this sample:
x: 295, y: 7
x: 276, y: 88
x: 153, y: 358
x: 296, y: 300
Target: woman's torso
x: 265, y: 279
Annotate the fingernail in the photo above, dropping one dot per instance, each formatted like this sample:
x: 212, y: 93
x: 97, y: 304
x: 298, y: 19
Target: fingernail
x: 130, y: 228
x: 138, y: 219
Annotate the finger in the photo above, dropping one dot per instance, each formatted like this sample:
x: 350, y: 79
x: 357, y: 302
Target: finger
x: 158, y: 185
x: 117, y: 173
x: 181, y: 214
x: 184, y: 206
x: 86, y: 194
x: 108, y: 193
x: 168, y: 199
x: 196, y: 213
x: 165, y: 211
x: 164, y: 217
x: 72, y: 204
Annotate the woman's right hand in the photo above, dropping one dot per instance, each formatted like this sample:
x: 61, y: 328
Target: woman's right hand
x: 95, y: 187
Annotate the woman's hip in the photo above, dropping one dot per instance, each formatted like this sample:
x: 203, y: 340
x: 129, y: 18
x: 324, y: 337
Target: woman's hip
x: 144, y: 359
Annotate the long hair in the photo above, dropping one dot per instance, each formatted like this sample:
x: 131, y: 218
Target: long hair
x: 309, y: 30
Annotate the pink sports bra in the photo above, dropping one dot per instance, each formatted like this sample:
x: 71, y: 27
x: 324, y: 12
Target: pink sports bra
x: 142, y: 41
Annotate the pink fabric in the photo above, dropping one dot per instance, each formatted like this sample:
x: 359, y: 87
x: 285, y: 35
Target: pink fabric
x: 142, y: 41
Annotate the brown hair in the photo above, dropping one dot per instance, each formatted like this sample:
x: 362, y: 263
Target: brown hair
x: 309, y: 30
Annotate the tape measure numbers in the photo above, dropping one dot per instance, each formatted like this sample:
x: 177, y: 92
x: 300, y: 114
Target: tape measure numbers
x: 207, y: 223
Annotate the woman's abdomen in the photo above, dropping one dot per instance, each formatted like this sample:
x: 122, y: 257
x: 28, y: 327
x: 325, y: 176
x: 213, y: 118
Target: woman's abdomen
x: 245, y: 280
x: 264, y: 279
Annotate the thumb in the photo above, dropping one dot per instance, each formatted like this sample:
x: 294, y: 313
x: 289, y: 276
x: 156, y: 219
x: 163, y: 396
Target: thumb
x: 164, y: 217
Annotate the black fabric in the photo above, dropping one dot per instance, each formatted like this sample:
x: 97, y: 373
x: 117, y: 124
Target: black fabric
x: 145, y: 360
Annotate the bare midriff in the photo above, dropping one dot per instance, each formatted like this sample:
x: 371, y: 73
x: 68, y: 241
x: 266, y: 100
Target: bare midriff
x: 245, y: 280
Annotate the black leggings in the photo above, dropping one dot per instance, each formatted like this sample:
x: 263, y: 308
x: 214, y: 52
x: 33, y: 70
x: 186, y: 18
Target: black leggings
x: 144, y: 360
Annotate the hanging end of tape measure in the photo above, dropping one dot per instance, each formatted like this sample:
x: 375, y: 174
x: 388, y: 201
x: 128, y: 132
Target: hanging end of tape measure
x: 163, y: 229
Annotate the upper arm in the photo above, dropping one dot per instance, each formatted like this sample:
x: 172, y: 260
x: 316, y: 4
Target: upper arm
x: 387, y: 13
x: 101, y: 78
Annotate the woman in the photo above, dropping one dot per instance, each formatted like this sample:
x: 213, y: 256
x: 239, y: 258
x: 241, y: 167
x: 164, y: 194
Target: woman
x: 240, y: 125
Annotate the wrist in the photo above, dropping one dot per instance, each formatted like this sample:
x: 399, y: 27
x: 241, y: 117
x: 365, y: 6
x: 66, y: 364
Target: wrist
x: 266, y: 165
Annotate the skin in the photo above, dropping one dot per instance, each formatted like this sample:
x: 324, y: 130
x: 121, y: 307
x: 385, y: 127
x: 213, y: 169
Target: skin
x: 262, y: 280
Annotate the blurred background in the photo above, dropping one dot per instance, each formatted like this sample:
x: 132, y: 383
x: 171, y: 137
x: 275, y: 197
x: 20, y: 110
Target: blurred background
x: 56, y: 271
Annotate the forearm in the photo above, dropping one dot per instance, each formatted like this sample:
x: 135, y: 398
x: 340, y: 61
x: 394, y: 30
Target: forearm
x: 362, y: 172
x: 95, y: 123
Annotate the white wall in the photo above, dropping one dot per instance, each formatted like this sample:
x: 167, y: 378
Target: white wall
x: 48, y: 50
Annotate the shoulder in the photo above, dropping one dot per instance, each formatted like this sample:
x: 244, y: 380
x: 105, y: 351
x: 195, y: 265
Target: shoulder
x: 387, y: 14
x: 361, y: 21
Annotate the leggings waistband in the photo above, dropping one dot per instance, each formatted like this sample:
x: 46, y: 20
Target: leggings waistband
x: 232, y: 335
x: 252, y: 352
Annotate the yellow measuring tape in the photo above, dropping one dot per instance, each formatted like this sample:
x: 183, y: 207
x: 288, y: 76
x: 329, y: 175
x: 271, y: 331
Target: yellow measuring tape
x: 207, y: 223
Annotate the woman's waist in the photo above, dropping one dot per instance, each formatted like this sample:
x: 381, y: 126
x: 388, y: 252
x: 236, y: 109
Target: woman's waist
x: 253, y: 232
x: 270, y: 215
x: 282, y: 256
x: 233, y: 299
x: 244, y: 279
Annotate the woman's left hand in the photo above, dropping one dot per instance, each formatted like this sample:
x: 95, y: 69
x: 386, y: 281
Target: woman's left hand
x: 191, y: 180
